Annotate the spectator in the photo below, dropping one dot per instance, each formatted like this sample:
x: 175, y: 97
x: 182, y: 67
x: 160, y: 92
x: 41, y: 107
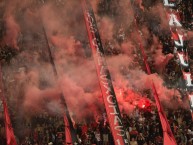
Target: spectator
x: 140, y: 139
x: 98, y: 137
x: 133, y: 142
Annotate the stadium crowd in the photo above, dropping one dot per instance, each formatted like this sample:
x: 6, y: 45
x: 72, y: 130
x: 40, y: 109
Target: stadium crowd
x: 142, y: 126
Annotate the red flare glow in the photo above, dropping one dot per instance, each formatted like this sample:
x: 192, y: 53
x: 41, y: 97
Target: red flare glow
x: 144, y: 103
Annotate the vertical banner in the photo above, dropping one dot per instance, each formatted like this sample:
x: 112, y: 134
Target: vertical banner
x: 109, y: 97
x: 68, y: 137
x: 168, y: 137
x: 67, y: 117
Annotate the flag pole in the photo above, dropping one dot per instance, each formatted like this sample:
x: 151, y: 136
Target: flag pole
x: 69, y: 128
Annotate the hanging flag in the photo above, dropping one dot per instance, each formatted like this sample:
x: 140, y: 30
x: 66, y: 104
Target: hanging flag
x: 167, y: 133
x: 63, y: 101
x: 8, y: 127
x: 68, y: 137
x: 109, y: 97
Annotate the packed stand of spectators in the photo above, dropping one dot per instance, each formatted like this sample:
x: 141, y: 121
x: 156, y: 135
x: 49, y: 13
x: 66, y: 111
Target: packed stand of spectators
x: 185, y: 8
x: 142, y: 128
x: 38, y: 130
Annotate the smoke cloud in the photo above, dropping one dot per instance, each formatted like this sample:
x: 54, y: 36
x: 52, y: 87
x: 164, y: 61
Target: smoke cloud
x: 38, y: 89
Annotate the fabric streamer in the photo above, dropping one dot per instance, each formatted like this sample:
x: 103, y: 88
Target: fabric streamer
x: 168, y: 137
x: 109, y: 97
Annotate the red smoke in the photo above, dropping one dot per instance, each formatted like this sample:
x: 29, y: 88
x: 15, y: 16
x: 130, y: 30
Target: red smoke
x: 144, y: 103
x: 77, y: 74
x: 12, y: 32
